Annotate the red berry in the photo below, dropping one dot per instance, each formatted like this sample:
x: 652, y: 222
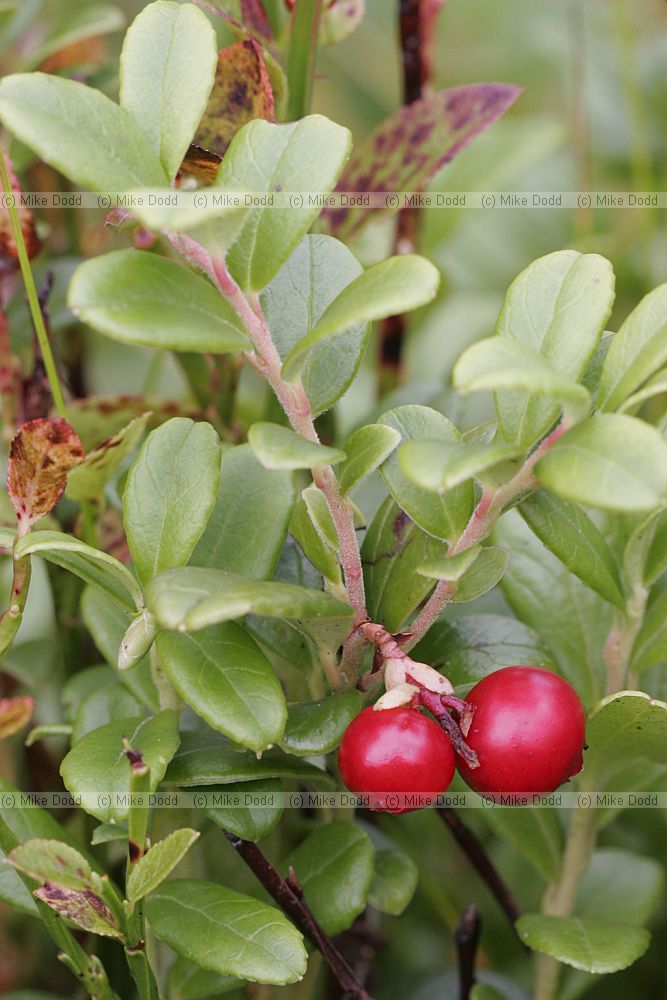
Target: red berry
x: 528, y: 731
x: 396, y: 750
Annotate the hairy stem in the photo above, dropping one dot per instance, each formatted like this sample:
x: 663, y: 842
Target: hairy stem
x: 482, y: 521
x: 289, y: 898
x: 31, y: 292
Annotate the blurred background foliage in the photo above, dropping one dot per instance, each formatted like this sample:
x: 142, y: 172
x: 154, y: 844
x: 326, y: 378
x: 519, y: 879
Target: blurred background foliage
x: 593, y: 116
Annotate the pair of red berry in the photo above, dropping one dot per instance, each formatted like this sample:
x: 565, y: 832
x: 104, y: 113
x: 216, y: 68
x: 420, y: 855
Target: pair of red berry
x: 528, y: 731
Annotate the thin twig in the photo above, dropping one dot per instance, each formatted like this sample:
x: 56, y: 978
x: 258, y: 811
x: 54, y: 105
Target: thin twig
x: 289, y: 898
x: 481, y: 862
x: 467, y: 939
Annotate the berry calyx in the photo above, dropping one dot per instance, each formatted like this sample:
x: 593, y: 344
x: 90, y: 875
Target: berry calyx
x: 528, y: 731
x: 393, y: 752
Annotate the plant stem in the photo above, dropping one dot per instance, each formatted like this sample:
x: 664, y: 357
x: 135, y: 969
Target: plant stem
x: 289, y: 898
x: 301, y: 56
x: 482, y: 521
x: 467, y: 939
x: 31, y: 292
x: 481, y: 862
x: 165, y: 689
x: 561, y: 894
x: 135, y: 948
x: 88, y: 969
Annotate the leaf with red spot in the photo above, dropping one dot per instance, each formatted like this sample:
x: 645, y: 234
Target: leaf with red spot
x: 15, y: 713
x: 8, y: 251
x: 42, y: 453
x: 407, y: 149
x: 241, y: 92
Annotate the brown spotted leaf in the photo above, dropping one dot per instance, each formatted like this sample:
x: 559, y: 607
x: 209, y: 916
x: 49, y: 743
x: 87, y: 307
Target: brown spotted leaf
x: 409, y: 147
x: 54, y: 861
x: 83, y: 908
x: 42, y: 453
x: 242, y: 91
x: 15, y: 713
x: 8, y: 251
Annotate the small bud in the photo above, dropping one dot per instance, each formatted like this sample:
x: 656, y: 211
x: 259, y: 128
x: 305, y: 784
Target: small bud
x: 427, y: 677
x: 398, y: 697
x: 137, y: 640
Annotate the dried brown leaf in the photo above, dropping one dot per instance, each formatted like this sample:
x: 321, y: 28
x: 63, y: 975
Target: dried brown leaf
x: 42, y: 453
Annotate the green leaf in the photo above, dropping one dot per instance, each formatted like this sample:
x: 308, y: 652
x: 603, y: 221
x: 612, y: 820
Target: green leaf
x: 334, y: 867
x: 315, y: 273
x: 450, y: 568
x: 441, y: 516
x: 536, y: 833
x: 140, y: 298
x: 170, y: 492
x: 592, y: 945
x: 108, y: 702
x: 610, y: 461
x: 625, y: 726
x: 79, y: 131
x: 470, y: 647
x: 279, y: 447
x: 107, y: 625
x: 393, y: 549
x: 97, y: 769
x: 248, y: 809
x: 223, y: 675
x: 557, y: 307
x: 366, y: 449
x: 107, y: 833
x: 320, y: 516
x: 87, y: 480
x: 569, y: 533
x: 92, y: 565
x: 187, y: 981
x: 195, y: 598
x: 317, y: 727
x: 315, y: 548
x: 620, y: 885
x: 656, y: 562
x: 637, y: 351
x: 651, y: 644
x: 485, y: 571
x: 438, y: 466
x: 644, y: 556
x: 207, y: 758
x: 656, y: 386
x: 509, y: 367
x: 227, y: 932
x: 572, y: 621
x: 249, y: 496
x: 389, y: 288
x: 305, y: 156
x: 394, y: 881
x: 167, y: 68
x: 154, y: 867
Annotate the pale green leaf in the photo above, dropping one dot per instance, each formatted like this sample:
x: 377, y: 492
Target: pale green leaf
x: 637, y: 351
x: 154, y: 867
x: 167, y: 68
x: 393, y: 286
x: 87, y: 480
x: 624, y: 726
x: 141, y: 298
x: 279, y: 447
x: 592, y: 945
x: 79, y: 131
x: 366, y: 449
x: 439, y: 466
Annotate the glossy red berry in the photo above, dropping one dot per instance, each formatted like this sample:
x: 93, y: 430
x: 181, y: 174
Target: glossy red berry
x: 528, y: 732
x: 396, y: 750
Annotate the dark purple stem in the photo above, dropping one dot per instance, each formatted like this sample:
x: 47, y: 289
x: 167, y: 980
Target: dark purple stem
x: 467, y: 939
x: 289, y: 897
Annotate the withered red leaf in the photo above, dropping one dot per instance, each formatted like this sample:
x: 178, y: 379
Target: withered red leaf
x: 410, y: 146
x: 242, y: 91
x: 15, y: 713
x: 42, y: 453
x: 8, y: 251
